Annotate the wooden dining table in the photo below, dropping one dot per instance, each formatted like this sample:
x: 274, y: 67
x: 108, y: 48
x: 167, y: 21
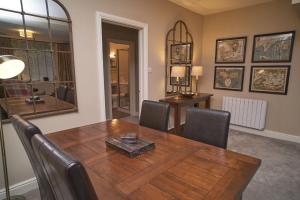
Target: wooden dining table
x: 178, y: 168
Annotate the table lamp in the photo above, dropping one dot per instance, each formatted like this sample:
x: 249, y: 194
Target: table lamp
x: 10, y: 66
x: 196, y: 72
x: 178, y: 72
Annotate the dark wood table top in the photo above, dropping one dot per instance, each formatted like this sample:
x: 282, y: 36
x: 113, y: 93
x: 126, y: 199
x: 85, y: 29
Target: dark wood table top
x: 187, y: 100
x: 177, y: 168
x: 18, y: 105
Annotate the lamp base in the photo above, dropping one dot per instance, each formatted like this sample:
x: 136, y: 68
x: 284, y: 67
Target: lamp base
x: 178, y: 96
x: 16, y: 197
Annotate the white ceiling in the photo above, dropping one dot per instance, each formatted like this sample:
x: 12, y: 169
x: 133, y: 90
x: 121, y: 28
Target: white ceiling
x: 206, y: 7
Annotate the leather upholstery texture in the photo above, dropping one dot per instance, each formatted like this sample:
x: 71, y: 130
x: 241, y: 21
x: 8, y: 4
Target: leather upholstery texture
x: 155, y: 115
x: 70, y: 96
x: 26, y: 131
x: 208, y: 126
x: 62, y: 92
x: 67, y: 177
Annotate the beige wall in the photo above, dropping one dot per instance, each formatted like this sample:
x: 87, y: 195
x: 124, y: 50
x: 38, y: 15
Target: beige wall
x: 283, y: 111
x: 160, y: 15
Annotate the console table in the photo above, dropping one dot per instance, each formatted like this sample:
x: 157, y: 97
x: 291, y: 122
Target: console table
x: 178, y: 102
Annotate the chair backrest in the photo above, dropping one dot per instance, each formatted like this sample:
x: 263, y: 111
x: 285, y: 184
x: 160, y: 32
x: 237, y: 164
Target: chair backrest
x: 155, y: 115
x: 62, y: 92
x: 67, y: 177
x: 26, y: 131
x: 70, y: 96
x: 208, y: 126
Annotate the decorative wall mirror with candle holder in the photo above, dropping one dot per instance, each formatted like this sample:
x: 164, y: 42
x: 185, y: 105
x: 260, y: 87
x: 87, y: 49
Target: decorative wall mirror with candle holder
x: 40, y: 34
x: 178, y: 52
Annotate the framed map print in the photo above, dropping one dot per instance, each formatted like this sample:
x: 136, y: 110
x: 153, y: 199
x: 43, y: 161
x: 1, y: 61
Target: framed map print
x: 229, y: 78
x: 273, y: 47
x: 231, y: 50
x: 269, y: 79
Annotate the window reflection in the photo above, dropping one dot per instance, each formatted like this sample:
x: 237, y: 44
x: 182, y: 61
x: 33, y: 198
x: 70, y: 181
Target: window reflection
x: 11, y: 5
x: 43, y: 43
x: 37, y: 7
x: 60, y: 35
x: 11, y: 24
x: 41, y: 65
x: 55, y: 10
x: 38, y: 37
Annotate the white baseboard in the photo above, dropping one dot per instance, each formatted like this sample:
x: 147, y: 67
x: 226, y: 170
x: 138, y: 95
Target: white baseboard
x: 20, y: 188
x: 268, y: 133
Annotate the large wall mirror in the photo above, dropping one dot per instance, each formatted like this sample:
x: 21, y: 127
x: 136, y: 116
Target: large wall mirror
x: 179, y: 55
x: 39, y: 33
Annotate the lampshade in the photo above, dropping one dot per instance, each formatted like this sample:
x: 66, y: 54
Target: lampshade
x: 10, y: 66
x: 197, y: 71
x: 178, y: 71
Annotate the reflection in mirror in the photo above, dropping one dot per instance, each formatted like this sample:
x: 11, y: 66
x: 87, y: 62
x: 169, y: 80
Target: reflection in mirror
x: 41, y: 65
x: 37, y: 7
x: 15, y: 97
x: 60, y: 35
x: 45, y: 48
x: 44, y: 97
x: 55, y: 10
x: 11, y: 5
x: 63, y: 67
x: 37, y: 32
x: 66, y: 92
x: 11, y: 29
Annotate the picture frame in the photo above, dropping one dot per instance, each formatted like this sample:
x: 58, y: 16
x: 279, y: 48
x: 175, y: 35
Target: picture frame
x: 181, y: 53
x: 273, y: 47
x: 270, y: 79
x: 229, y: 78
x: 231, y: 50
x: 183, y: 82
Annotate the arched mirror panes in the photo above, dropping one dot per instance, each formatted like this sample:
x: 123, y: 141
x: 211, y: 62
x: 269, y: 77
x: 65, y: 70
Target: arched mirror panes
x: 39, y: 33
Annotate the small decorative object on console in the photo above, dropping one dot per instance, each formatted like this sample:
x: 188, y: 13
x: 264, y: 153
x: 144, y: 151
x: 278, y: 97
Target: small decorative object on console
x: 187, y: 94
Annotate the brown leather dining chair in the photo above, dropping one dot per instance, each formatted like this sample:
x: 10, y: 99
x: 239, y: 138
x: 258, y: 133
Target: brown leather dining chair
x: 155, y: 115
x: 67, y: 177
x: 26, y: 131
x: 208, y: 126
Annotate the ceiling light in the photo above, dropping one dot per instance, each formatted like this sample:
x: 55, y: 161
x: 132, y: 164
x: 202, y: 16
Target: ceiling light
x: 29, y: 33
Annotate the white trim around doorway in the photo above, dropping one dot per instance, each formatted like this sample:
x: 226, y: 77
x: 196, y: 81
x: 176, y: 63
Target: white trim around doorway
x: 143, y: 56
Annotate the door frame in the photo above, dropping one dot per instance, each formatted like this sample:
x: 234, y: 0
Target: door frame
x: 143, y: 56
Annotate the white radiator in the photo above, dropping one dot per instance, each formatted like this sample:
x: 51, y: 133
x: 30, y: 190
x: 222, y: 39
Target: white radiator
x: 246, y: 112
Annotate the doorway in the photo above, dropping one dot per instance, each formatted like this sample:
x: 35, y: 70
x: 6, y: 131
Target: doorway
x: 142, y: 49
x: 121, y: 71
x: 123, y: 79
